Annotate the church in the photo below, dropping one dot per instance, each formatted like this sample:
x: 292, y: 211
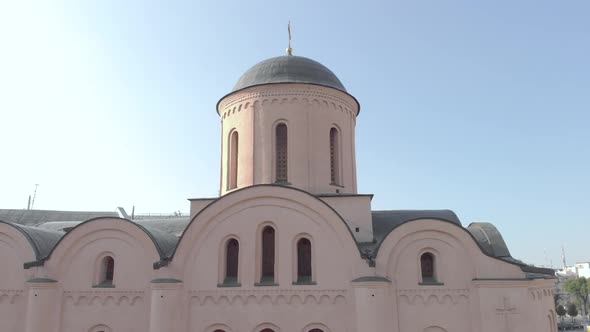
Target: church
x: 288, y: 246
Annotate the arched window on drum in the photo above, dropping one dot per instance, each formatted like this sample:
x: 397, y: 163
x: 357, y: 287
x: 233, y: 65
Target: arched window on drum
x: 281, y: 154
x: 335, y: 156
x: 232, y: 160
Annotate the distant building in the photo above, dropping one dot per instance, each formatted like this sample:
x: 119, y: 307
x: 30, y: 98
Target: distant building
x: 580, y: 269
x: 289, y: 246
x: 583, y: 269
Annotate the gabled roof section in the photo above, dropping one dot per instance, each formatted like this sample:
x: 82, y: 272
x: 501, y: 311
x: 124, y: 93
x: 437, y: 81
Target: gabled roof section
x: 486, y: 235
x: 386, y: 221
x: 175, y: 225
x: 34, y: 217
x: 41, y: 240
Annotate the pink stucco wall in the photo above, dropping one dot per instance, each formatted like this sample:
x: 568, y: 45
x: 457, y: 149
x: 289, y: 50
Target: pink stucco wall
x: 475, y: 286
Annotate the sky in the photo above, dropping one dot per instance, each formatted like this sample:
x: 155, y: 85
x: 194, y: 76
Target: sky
x: 481, y: 107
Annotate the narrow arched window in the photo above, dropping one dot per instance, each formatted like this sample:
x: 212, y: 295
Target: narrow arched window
x: 334, y: 156
x: 218, y: 330
x: 268, y: 255
x: 268, y: 330
x: 110, y: 262
x: 281, y: 158
x: 427, y: 267
x: 304, y: 261
x: 232, y: 251
x: 232, y: 161
x: 106, y: 272
x: 316, y: 330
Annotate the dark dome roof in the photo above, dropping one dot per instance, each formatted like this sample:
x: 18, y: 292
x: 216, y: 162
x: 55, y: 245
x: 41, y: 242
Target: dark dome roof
x: 289, y: 69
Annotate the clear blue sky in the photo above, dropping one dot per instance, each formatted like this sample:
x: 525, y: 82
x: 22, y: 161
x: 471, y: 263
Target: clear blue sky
x: 479, y: 107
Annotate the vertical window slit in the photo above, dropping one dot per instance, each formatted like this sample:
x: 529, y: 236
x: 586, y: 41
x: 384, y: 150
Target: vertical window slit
x: 334, y: 157
x: 232, y: 181
x: 281, y: 153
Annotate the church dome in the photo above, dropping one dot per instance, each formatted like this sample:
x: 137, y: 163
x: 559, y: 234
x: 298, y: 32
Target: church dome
x: 289, y: 69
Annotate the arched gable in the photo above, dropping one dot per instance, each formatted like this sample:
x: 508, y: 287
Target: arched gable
x: 406, y: 242
x: 133, y: 248
x: 15, y: 250
x: 163, y: 242
x: 41, y: 241
x: 16, y: 242
x: 244, y: 210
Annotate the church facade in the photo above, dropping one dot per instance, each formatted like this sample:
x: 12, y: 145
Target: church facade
x: 289, y: 246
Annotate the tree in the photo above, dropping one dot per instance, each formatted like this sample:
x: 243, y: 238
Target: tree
x: 579, y: 288
x: 560, y: 310
x: 572, y: 310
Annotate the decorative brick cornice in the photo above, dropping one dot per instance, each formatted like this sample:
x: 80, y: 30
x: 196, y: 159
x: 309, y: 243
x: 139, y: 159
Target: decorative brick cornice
x: 270, y: 296
x: 427, y: 296
x: 103, y: 297
x: 10, y: 296
x: 321, y: 97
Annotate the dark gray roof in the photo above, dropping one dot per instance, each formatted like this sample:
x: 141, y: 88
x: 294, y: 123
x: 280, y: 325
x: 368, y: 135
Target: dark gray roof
x: 386, y: 221
x: 59, y: 226
x: 164, y: 242
x: 34, y: 217
x: 172, y: 225
x: 41, y: 240
x: 489, y: 239
x: 44, y: 240
x: 289, y: 69
x: 492, y: 243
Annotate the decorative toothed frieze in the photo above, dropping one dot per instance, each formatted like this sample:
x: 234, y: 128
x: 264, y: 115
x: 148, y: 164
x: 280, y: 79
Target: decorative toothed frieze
x: 431, y: 296
x: 10, y: 296
x: 244, y: 101
x: 103, y: 297
x: 274, y: 297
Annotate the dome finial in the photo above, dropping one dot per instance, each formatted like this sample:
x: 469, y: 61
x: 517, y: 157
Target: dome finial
x: 289, y: 49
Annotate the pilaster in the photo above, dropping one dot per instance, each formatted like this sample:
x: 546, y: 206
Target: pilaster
x: 374, y: 304
x: 43, y: 305
x: 166, y: 304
